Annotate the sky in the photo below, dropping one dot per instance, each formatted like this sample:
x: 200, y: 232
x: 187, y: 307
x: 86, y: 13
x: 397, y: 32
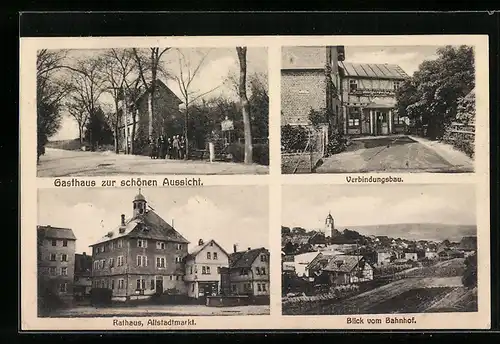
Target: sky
x: 360, y: 205
x: 215, y: 72
x: 407, y: 57
x: 228, y: 214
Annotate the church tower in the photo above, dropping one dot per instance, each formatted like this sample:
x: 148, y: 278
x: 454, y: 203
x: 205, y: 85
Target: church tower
x: 139, y: 204
x: 330, y: 226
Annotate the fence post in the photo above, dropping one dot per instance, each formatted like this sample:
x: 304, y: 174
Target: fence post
x: 211, y: 149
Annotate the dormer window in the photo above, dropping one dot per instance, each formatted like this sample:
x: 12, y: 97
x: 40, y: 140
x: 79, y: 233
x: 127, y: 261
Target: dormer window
x: 353, y: 85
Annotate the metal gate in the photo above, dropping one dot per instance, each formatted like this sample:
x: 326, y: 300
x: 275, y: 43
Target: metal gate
x: 313, y: 152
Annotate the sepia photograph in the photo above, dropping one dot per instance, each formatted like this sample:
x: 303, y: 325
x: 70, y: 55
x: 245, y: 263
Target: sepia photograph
x: 152, y: 111
x: 359, y: 249
x: 153, y: 252
x: 348, y: 109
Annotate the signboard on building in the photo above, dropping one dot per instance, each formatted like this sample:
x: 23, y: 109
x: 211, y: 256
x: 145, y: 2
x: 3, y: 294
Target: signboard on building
x: 227, y: 125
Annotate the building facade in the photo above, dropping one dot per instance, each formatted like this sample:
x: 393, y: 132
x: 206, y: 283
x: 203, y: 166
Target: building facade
x: 310, y: 80
x: 141, y: 257
x: 56, y: 261
x: 139, y: 124
x: 83, y: 275
x: 369, y: 98
x: 248, y: 273
x: 347, y: 269
x: 203, y: 269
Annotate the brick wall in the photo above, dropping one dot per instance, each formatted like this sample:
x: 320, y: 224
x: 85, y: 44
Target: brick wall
x: 301, y: 91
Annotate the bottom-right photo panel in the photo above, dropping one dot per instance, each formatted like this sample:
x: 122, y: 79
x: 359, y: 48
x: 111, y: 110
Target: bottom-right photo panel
x: 379, y: 249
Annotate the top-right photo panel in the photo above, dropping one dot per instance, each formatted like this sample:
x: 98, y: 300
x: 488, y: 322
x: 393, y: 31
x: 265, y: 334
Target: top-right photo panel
x: 348, y: 109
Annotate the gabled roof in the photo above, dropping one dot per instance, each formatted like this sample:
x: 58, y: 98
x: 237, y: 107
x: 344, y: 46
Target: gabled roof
x: 344, y: 263
x: 245, y: 259
x: 161, y: 84
x: 55, y: 232
x: 373, y: 70
x: 197, y: 249
x: 147, y: 226
x: 320, y: 261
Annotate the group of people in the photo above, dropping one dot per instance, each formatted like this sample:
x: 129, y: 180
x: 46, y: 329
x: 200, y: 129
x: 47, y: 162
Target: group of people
x: 167, y: 147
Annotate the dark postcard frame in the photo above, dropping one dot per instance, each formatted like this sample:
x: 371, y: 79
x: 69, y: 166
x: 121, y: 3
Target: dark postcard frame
x: 292, y: 23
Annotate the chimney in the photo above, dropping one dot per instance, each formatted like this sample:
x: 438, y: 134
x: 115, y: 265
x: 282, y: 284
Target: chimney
x: 200, y: 242
x: 235, y: 248
x: 249, y: 248
x: 123, y: 220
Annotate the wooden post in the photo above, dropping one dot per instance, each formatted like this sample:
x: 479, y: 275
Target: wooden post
x: 390, y: 122
x: 372, y: 123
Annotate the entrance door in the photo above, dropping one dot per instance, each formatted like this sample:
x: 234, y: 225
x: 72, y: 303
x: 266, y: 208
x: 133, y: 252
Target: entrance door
x: 382, y: 127
x: 159, y: 285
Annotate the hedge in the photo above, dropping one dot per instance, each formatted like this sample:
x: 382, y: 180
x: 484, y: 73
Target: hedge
x: 260, y: 152
x: 100, y: 296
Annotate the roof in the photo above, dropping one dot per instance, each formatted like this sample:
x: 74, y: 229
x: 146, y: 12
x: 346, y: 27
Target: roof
x: 245, y: 259
x: 83, y: 264
x: 343, y: 263
x: 329, y: 217
x: 162, y: 85
x: 56, y: 232
x: 320, y: 261
x: 306, y: 257
x: 197, y: 249
x: 139, y: 197
x: 468, y: 243
x: 372, y: 70
x: 148, y: 226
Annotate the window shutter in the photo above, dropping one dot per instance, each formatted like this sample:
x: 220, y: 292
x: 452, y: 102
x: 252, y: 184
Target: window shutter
x: 145, y: 243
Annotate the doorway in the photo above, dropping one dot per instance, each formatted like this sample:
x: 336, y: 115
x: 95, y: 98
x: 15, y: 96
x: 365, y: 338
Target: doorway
x: 159, y: 285
x: 382, y: 123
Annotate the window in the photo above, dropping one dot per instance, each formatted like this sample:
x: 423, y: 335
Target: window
x: 203, y: 270
x: 65, y: 243
x: 171, y: 277
x: 64, y: 257
x: 160, y: 245
x: 195, y: 269
x: 111, y: 262
x: 177, y: 278
x: 233, y: 287
x: 103, y: 263
x: 121, y: 284
x: 215, y: 255
x: 178, y: 259
x: 397, y: 84
x: 119, y: 261
x: 208, y: 255
x: 52, y: 271
x: 263, y: 271
x: 160, y: 262
x: 140, y: 284
x: 113, y: 245
x: 397, y: 119
x: 208, y: 270
x: 64, y: 271
x: 53, y: 257
x: 152, y: 286
x: 63, y: 287
x: 120, y: 243
x: 112, y: 284
x: 142, y: 261
x: 190, y: 270
x: 178, y: 246
x: 54, y: 242
x: 258, y: 270
x: 192, y: 287
x: 263, y: 258
x: 354, y: 117
x: 259, y: 287
x: 264, y: 287
x: 353, y: 85
x: 142, y: 243
x: 96, y: 264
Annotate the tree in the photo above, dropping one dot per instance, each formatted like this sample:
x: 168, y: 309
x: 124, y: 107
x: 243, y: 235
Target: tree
x: 148, y: 67
x: 50, y: 92
x: 187, y: 73
x: 469, y: 278
x: 98, y: 131
x: 431, y: 96
x: 88, y: 86
x: 245, y: 108
x: 259, y: 105
x: 118, y: 66
x: 76, y: 109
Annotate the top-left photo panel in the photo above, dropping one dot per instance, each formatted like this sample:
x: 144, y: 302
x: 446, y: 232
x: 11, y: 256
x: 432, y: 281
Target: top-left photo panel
x: 147, y: 111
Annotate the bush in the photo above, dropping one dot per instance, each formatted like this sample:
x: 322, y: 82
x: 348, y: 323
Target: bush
x: 260, y: 152
x: 469, y: 278
x: 100, y: 296
x: 293, y: 138
x: 336, y: 143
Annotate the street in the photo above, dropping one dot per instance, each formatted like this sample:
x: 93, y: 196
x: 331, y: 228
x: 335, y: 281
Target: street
x: 397, y: 154
x: 67, y: 163
x: 160, y: 310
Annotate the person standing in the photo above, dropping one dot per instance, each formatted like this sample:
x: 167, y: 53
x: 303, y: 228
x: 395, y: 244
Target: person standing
x: 176, y: 146
x: 151, y: 147
x: 182, y: 144
x: 169, y: 148
x: 162, y: 147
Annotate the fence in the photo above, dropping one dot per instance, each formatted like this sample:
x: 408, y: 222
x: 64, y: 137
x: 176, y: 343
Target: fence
x: 461, y: 136
x: 303, y: 156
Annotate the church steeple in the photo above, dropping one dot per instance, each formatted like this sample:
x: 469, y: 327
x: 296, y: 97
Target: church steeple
x: 139, y: 204
x: 329, y: 225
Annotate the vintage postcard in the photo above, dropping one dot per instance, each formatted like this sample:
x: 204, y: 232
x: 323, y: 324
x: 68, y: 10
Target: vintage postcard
x: 156, y: 171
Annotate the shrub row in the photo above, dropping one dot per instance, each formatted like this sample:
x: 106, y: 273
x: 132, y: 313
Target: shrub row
x: 260, y: 152
x: 335, y: 293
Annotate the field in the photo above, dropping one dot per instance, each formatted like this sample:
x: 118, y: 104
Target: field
x: 437, y: 288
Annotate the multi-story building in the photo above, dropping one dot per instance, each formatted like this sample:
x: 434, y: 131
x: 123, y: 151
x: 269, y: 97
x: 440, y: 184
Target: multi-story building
x: 142, y: 256
x: 369, y: 98
x: 83, y: 275
x: 310, y: 80
x: 248, y: 273
x: 139, y: 124
x: 203, y: 266
x: 56, y: 261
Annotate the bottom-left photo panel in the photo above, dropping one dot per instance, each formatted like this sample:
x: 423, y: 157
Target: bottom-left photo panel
x: 153, y: 252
